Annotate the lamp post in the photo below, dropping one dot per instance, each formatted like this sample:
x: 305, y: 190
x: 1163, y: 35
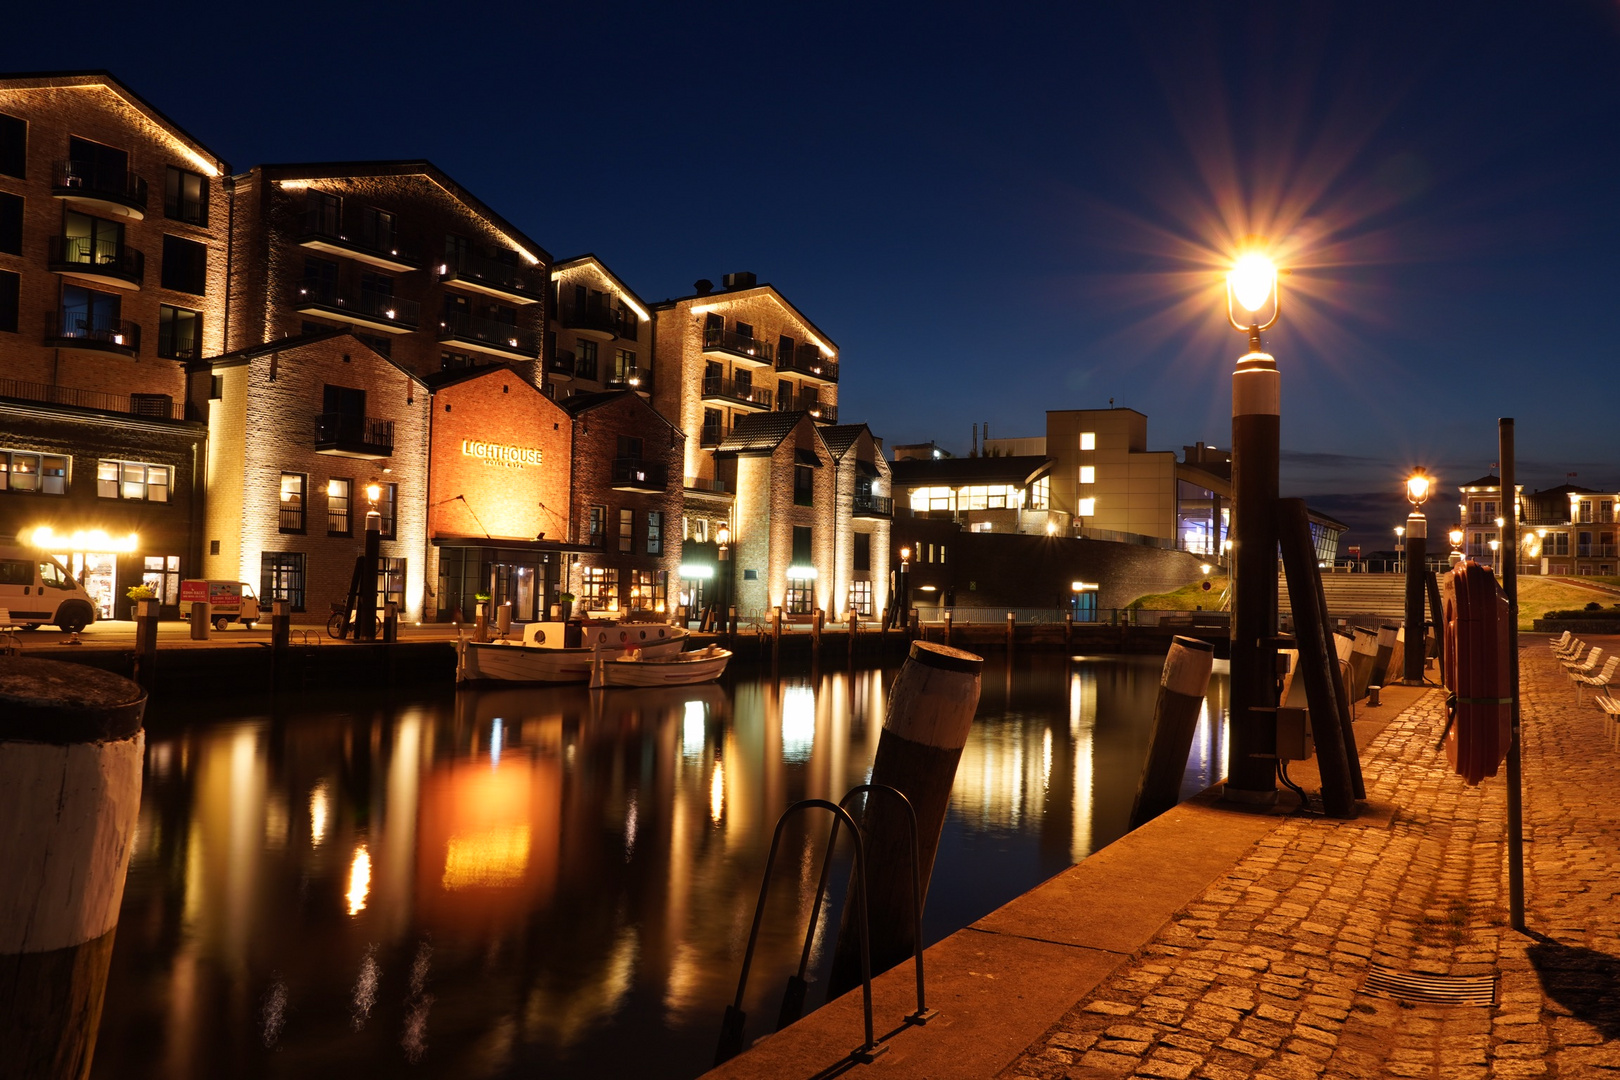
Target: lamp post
x: 1456, y: 538
x: 1400, y: 547
x: 905, y: 586
x: 722, y: 539
x: 1417, y: 539
x: 365, y: 615
x: 1256, y: 417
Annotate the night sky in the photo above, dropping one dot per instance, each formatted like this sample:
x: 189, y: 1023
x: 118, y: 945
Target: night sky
x: 996, y: 212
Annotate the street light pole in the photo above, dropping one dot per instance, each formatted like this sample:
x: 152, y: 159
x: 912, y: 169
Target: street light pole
x: 1417, y: 538
x: 1256, y: 425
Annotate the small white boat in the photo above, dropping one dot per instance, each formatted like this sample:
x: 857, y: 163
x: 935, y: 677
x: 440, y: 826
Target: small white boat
x: 541, y: 658
x: 638, y: 668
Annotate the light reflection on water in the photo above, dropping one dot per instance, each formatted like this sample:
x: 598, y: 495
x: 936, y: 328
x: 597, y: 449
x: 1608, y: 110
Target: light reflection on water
x: 553, y: 882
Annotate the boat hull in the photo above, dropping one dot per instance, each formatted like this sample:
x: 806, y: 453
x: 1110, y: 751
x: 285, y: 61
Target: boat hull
x: 683, y: 669
x: 524, y: 662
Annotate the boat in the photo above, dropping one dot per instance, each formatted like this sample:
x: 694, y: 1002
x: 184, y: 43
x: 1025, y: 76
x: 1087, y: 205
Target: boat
x: 540, y: 657
x: 637, y: 668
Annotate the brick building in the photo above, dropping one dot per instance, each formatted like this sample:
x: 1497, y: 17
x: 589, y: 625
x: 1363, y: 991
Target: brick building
x: 421, y: 270
x: 861, y: 519
x: 298, y: 430
x: 601, y: 335
x: 112, y: 275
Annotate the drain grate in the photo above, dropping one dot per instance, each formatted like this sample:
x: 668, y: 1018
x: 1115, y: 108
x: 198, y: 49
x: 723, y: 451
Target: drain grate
x: 1437, y: 989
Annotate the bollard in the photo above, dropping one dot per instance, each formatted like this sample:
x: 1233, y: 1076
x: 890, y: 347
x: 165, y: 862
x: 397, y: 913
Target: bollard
x: 1386, y: 647
x: 71, y: 747
x: 815, y: 632
x: 202, y: 614
x: 280, y: 623
x: 1182, y: 685
x: 947, y: 628
x: 503, y: 618
x: 1068, y: 628
x: 731, y: 622
x: 914, y: 623
x: 931, y: 708
x: 391, y: 620
x: 854, y: 623
x: 1012, y: 622
x: 146, y: 628
x: 480, y: 624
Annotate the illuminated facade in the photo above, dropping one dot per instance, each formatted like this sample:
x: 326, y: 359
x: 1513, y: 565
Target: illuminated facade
x: 1565, y: 530
x: 601, y: 335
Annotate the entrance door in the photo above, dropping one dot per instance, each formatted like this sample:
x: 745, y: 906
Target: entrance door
x: 97, y: 571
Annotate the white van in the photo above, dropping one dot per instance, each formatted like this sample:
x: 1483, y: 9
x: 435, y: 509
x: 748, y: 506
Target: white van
x: 35, y: 589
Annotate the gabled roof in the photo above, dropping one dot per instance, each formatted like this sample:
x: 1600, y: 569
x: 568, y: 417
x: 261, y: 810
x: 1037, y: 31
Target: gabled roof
x: 1489, y: 480
x: 580, y: 404
x: 443, y: 380
x: 340, y: 170
x: 725, y: 296
x: 209, y: 161
x: 292, y: 344
x: 1567, y: 490
x: 1018, y: 470
x: 760, y: 432
x: 590, y: 259
x: 840, y: 437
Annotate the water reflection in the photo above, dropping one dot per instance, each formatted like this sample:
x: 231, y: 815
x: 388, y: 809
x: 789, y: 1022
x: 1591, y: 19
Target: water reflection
x: 505, y: 882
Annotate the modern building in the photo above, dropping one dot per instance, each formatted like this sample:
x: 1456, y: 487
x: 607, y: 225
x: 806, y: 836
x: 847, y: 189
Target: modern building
x: 113, y: 255
x: 982, y: 494
x: 601, y: 335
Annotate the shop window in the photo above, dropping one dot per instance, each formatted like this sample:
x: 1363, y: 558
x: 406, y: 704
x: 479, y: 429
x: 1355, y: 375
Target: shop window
x: 133, y: 480
x: 599, y: 588
x: 649, y: 590
x: 655, y: 532
x: 627, y: 531
x: 42, y: 474
x: 161, y: 574
x: 293, y: 490
x: 281, y: 577
x: 339, y: 507
x: 185, y: 265
x: 860, y: 598
x: 185, y: 197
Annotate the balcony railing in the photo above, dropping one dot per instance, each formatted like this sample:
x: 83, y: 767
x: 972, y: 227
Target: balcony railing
x: 158, y: 406
x: 711, y: 436
x: 80, y: 178
x: 1595, y: 551
x: 321, y: 231
x: 633, y: 379
x: 718, y: 339
x: 561, y: 366
x: 640, y: 474
x: 292, y: 519
x: 869, y: 505
x: 825, y: 411
x: 366, y: 436
x: 598, y: 317
x: 82, y: 330
x: 808, y: 360
x: 178, y: 340
x: 489, y: 274
x: 380, y: 309
x: 186, y: 208
x: 104, y: 258
x: 491, y: 333
x: 743, y: 393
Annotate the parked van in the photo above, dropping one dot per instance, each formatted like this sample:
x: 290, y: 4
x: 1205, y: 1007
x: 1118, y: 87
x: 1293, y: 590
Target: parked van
x: 231, y: 600
x: 35, y: 590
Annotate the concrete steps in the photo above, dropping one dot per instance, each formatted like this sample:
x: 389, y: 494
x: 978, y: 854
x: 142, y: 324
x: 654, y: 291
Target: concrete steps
x: 1367, y: 596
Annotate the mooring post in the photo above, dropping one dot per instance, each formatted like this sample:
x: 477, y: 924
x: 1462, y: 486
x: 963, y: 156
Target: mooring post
x: 146, y: 628
x: 280, y: 639
x: 947, y: 628
x: 930, y: 711
x: 1068, y: 628
x: 1012, y: 623
x: 815, y: 631
x: 71, y: 748
x: 480, y: 623
x: 1182, y: 685
x: 1386, y: 649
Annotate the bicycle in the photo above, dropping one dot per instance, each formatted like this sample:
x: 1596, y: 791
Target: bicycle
x: 342, y: 617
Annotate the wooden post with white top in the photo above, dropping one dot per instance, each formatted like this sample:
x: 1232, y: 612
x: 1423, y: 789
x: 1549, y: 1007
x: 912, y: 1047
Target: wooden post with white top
x: 71, y: 748
x: 1182, y: 685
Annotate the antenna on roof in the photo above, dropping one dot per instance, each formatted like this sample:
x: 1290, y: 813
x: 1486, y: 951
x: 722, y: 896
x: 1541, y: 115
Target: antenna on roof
x: 975, y: 451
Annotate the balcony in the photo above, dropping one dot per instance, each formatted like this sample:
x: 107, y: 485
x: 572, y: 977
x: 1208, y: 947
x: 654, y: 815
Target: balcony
x: 807, y: 360
x: 492, y: 277
x: 823, y: 411
x: 1534, y: 518
x: 84, y: 332
x: 711, y: 435
x: 100, y: 261
x: 152, y: 406
x: 561, y: 367
x: 634, y: 474
x: 592, y: 320
x: 113, y: 191
x: 1595, y: 551
x: 321, y: 234
x: 868, y: 505
x: 378, y: 311
x: 634, y: 379
x: 731, y: 343
x: 489, y: 336
x: 348, y: 435
x: 736, y: 392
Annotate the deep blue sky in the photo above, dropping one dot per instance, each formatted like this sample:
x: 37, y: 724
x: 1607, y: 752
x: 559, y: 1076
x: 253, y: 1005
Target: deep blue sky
x: 994, y: 213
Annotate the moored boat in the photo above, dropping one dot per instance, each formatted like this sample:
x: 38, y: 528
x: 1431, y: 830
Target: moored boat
x: 540, y: 656
x: 639, y: 668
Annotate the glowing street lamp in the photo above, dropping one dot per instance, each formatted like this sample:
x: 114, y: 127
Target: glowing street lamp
x: 1456, y: 538
x: 1417, y: 542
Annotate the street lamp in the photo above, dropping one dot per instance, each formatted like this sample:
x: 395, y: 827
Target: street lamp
x: 365, y: 628
x: 722, y: 539
x: 1456, y: 538
x: 1400, y: 531
x: 904, y: 590
x: 1252, y: 305
x: 1417, y: 542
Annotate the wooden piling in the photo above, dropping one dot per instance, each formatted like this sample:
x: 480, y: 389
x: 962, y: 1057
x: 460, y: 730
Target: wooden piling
x: 71, y: 748
x: 1012, y: 624
x: 280, y: 640
x: 854, y: 629
x: 1182, y: 685
x: 930, y: 711
x: 146, y: 629
x: 947, y: 628
x: 1386, y: 647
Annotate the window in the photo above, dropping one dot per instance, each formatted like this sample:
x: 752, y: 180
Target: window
x: 179, y: 333
x: 320, y: 280
x: 185, y: 265
x: 91, y: 240
x: 630, y: 447
x: 390, y: 583
x: 11, y: 215
x: 802, y: 555
x: 599, y: 588
x: 649, y: 590
x: 713, y: 426
x: 377, y: 229
x: 185, y: 197
x: 627, y: 531
x: 102, y: 167
x: 1586, y: 511
x: 863, y: 551
x: 745, y: 330
x: 161, y: 574
x: 1088, y: 507
x: 281, y: 577
x: 387, y: 501
x: 804, y: 485
x: 292, y: 502
x: 1088, y: 440
x: 10, y: 291
x: 343, y: 400
x: 325, y: 213
x: 860, y: 598
x: 133, y: 480
x: 87, y: 313
x: 44, y: 474
x: 376, y: 290
x: 585, y: 359
x: 800, y: 596
x: 624, y: 365
x: 655, y: 532
x: 339, y: 507
x: 13, y: 146
x: 596, y: 525
x: 1088, y: 474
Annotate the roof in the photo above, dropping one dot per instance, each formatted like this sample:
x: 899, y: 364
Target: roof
x: 287, y: 344
x: 1324, y: 519
x: 591, y: 259
x: 580, y: 404
x: 1489, y: 480
x: 27, y: 80
x: 840, y: 437
x: 765, y: 289
x: 1567, y: 490
x: 760, y: 432
x: 1019, y: 470
x: 338, y: 170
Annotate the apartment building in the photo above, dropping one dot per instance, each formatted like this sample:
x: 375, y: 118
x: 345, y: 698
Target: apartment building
x: 396, y: 251
x: 112, y: 273
x: 861, y: 521
x: 1562, y: 530
x: 601, y: 335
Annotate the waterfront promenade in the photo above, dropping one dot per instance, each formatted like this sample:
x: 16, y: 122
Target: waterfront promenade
x: 1214, y: 944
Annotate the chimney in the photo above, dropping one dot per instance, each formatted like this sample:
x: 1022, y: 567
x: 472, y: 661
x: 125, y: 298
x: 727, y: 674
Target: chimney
x: 703, y: 286
x: 975, y: 451
x: 742, y: 279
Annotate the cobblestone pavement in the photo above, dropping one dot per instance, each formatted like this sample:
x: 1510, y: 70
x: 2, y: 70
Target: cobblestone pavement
x: 1262, y: 975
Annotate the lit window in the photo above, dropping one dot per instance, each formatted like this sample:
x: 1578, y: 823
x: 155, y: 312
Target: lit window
x: 1088, y: 507
x: 1088, y: 474
x: 43, y: 473
x: 1088, y: 440
x: 133, y: 480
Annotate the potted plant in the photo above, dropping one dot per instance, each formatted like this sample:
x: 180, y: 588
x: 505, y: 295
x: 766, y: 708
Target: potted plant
x: 565, y: 605
x: 145, y: 600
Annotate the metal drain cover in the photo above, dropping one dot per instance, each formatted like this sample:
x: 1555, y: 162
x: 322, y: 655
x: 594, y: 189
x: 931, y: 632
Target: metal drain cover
x: 1437, y: 989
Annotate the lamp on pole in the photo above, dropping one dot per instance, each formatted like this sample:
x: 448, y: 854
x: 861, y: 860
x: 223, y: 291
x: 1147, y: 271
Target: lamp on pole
x: 905, y: 586
x: 365, y: 616
x: 1456, y: 538
x: 1400, y: 547
x: 1252, y: 305
x: 1417, y: 539
x: 722, y: 539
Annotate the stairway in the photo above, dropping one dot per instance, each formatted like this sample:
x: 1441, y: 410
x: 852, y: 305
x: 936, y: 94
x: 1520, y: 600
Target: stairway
x: 1365, y: 599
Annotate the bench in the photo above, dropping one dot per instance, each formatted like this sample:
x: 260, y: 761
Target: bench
x: 1610, y: 705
